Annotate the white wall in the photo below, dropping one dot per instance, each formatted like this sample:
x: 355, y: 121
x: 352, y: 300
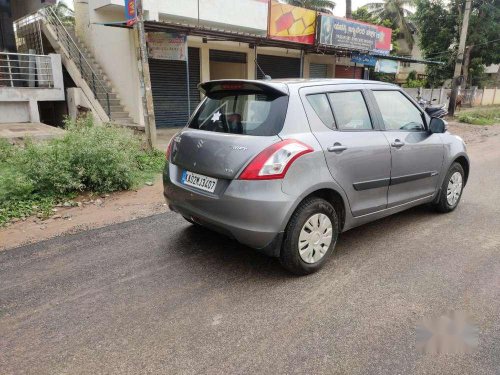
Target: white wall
x: 241, y: 15
x: 115, y: 51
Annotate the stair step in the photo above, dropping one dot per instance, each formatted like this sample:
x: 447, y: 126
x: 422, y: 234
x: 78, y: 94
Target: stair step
x: 119, y: 115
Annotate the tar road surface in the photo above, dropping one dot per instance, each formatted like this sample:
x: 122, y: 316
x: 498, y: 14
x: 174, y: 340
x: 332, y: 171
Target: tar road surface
x: 158, y: 295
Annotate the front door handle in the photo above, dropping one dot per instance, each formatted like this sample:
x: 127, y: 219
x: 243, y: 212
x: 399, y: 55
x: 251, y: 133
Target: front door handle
x: 337, y: 147
x: 397, y: 143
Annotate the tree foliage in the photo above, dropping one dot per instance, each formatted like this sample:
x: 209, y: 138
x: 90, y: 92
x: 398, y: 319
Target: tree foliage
x: 397, y: 11
x: 325, y: 6
x: 439, y: 25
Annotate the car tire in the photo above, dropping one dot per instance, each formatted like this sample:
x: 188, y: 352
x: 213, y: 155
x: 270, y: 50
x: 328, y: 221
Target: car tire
x: 451, y: 190
x: 305, y: 247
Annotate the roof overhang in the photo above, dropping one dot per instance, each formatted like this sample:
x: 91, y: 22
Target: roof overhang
x: 259, y: 40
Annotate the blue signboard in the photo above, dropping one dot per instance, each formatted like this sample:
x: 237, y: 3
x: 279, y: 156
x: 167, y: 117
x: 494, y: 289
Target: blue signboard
x: 361, y: 58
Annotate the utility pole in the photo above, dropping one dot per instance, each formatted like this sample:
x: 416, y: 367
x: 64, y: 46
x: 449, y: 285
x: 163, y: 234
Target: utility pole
x: 457, y: 77
x: 145, y: 78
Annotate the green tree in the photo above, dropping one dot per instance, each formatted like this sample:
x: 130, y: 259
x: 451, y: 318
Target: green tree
x: 325, y: 6
x: 64, y: 13
x: 398, y: 13
x: 439, y: 24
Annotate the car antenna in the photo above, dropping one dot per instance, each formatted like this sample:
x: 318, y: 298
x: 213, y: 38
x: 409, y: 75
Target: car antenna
x: 266, y: 77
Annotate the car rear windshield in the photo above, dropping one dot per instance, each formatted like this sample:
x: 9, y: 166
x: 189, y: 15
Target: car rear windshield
x: 241, y: 112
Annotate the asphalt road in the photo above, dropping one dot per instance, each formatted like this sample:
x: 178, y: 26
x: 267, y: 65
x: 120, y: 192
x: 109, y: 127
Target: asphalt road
x: 158, y: 295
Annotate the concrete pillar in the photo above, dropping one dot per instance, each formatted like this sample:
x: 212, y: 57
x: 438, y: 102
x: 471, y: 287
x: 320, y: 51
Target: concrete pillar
x: 251, y: 64
x: 33, y: 109
x: 205, y: 62
x: 307, y: 65
x: 57, y: 74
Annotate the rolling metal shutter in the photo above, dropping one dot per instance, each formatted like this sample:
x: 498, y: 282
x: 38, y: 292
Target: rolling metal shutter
x: 228, y: 56
x: 169, y: 86
x: 318, y: 70
x: 342, y: 71
x: 278, y: 66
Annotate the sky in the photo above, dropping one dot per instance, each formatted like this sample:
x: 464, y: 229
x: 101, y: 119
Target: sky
x: 340, y: 6
x: 338, y: 11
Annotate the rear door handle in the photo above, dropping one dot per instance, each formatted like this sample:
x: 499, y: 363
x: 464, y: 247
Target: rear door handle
x: 337, y: 147
x: 397, y: 143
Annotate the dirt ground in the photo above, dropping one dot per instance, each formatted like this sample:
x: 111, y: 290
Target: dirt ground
x: 96, y: 212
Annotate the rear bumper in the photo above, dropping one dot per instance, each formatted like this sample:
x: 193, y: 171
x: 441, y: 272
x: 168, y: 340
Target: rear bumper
x: 254, y: 213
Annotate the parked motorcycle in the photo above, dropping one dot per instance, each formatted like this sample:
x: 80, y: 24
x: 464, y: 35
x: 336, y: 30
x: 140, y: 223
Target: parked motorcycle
x: 438, y: 110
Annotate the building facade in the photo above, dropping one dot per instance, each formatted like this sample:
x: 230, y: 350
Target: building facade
x: 174, y: 82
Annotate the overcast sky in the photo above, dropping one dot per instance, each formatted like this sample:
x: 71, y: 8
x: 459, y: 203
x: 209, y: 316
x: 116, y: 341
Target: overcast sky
x: 340, y: 6
x: 338, y: 11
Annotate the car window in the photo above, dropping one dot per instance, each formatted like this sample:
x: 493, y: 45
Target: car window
x: 349, y: 109
x: 398, y: 112
x: 241, y: 112
x: 320, y: 104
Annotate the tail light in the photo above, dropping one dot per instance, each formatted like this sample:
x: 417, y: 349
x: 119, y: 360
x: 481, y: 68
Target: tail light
x: 168, y: 152
x: 274, y: 161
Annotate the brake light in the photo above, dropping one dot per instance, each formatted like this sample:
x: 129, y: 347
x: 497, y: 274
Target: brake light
x: 169, y: 149
x: 274, y: 161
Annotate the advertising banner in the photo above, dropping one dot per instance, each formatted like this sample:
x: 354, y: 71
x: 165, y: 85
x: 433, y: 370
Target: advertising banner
x: 290, y: 23
x: 340, y: 32
x: 130, y: 12
x: 167, y: 46
x: 387, y: 66
x: 361, y: 58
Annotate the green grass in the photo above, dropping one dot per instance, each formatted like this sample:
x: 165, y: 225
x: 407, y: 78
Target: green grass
x: 99, y: 159
x: 481, y: 116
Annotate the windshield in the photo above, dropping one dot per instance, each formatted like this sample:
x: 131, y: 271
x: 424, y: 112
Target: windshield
x: 241, y: 112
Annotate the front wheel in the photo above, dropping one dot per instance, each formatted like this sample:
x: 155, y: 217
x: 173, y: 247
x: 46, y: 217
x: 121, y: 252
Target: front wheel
x: 310, y: 237
x: 451, y: 190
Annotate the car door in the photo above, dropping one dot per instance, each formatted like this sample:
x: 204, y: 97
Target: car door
x: 357, y: 154
x: 416, y: 154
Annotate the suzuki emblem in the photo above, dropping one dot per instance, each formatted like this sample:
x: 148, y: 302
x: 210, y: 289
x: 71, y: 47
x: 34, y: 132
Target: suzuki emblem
x: 200, y: 143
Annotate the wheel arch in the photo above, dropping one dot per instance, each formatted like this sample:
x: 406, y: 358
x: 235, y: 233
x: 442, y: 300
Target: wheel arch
x: 464, y: 162
x: 334, y: 198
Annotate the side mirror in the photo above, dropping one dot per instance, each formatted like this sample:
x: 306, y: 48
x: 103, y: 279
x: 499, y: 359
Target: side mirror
x: 437, y: 125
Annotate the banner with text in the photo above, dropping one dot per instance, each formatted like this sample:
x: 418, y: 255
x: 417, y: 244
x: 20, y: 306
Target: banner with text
x: 167, y: 46
x: 340, y: 32
x: 290, y: 23
x: 387, y: 66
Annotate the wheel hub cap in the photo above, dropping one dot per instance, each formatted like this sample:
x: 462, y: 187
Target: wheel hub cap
x: 454, y: 188
x: 315, y: 238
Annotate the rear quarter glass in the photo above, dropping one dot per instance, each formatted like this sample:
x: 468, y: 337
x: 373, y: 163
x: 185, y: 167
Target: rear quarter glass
x: 244, y: 111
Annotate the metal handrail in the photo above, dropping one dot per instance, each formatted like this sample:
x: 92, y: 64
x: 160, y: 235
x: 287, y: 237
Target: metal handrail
x: 90, y: 76
x: 25, y: 70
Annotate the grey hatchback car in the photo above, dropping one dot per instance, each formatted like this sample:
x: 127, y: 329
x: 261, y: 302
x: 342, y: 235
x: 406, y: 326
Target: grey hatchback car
x: 285, y: 166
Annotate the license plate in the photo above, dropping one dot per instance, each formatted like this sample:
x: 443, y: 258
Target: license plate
x: 199, y: 181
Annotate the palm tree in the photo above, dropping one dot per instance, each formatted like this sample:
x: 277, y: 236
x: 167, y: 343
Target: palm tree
x: 397, y: 12
x: 325, y: 6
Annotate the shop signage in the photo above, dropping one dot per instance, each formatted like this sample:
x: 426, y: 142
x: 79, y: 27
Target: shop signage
x: 167, y: 46
x: 361, y: 58
x: 387, y: 66
x: 290, y: 23
x: 130, y: 12
x: 340, y: 32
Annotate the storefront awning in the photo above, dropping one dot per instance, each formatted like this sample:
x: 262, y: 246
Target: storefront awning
x: 259, y: 40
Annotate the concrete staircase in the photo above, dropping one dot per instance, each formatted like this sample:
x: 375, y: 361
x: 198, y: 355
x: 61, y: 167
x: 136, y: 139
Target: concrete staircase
x: 119, y: 115
x: 86, y: 71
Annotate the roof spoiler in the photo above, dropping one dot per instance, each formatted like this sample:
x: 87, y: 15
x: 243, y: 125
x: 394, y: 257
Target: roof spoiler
x: 211, y: 87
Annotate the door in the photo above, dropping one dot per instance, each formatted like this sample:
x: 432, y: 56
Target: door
x: 227, y: 65
x: 278, y: 66
x: 417, y: 155
x: 170, y: 89
x: 358, y: 156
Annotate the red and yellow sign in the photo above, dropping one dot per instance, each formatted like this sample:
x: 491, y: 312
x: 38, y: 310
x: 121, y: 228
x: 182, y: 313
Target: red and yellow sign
x: 290, y: 23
